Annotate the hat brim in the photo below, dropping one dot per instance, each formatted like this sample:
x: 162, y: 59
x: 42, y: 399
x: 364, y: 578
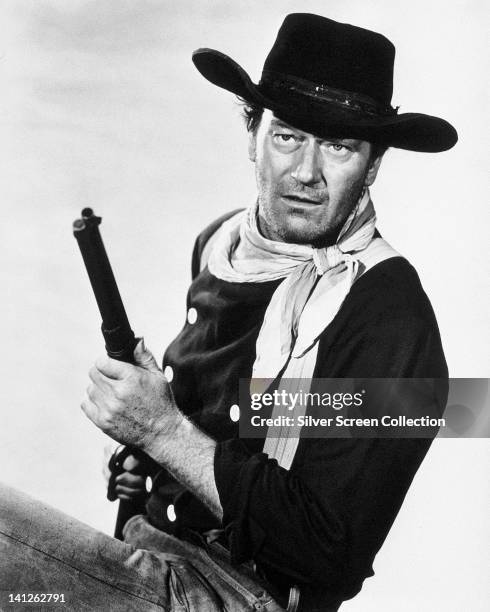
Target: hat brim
x: 412, y: 131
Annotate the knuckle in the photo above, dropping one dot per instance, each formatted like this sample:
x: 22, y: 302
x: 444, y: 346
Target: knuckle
x: 119, y: 393
x: 114, y: 406
x: 91, y: 392
x: 130, y: 463
x: 122, y: 480
x: 137, y: 375
x: 109, y: 416
x: 100, y: 362
x: 104, y: 422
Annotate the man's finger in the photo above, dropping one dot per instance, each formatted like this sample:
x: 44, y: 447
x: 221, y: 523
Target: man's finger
x: 121, y: 488
x: 124, y: 497
x: 117, y: 370
x: 134, y: 481
x: 131, y: 463
x: 130, y: 491
x: 95, y: 395
x: 99, y: 379
x: 144, y: 358
x: 90, y: 409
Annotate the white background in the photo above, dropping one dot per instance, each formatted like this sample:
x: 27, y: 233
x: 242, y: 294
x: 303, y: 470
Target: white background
x: 101, y: 106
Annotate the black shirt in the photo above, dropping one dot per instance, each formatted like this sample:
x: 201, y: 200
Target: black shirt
x: 320, y: 524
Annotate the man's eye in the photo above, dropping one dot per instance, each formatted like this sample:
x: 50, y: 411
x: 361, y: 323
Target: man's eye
x: 284, y: 137
x: 286, y: 142
x: 338, y: 147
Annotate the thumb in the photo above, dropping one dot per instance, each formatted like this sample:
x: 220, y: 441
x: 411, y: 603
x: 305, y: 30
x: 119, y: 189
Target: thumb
x: 144, y: 358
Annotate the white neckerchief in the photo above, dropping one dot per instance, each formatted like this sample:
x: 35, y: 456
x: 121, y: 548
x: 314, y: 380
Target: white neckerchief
x: 316, y: 282
x: 242, y: 255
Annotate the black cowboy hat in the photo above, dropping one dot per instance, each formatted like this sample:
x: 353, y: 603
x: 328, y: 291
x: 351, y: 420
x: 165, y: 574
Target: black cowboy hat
x: 333, y: 80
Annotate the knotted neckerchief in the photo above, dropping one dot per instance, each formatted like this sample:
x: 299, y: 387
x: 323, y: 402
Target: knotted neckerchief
x: 304, y: 304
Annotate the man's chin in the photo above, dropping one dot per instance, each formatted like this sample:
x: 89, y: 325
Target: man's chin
x: 301, y: 231
x: 296, y: 227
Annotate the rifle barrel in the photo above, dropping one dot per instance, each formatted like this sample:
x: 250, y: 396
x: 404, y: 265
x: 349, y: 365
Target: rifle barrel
x: 118, y: 335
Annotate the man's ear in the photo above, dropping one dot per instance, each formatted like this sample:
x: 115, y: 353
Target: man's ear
x: 252, y: 146
x: 373, y: 170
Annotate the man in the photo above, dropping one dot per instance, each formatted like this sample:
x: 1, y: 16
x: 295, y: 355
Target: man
x: 299, y: 286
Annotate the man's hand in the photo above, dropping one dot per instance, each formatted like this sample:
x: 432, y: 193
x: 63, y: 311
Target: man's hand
x: 131, y: 483
x: 132, y: 404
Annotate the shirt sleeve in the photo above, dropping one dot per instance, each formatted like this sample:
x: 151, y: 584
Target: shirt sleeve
x: 323, y: 522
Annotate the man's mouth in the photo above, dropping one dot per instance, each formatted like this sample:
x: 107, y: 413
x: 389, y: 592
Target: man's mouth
x: 302, y: 199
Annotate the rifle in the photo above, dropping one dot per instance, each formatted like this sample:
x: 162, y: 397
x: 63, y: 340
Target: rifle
x: 119, y: 338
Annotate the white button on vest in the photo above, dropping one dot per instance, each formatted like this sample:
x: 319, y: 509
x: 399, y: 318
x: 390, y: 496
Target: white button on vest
x: 171, y: 513
x: 192, y: 316
x: 168, y: 373
x: 148, y: 484
x: 234, y: 413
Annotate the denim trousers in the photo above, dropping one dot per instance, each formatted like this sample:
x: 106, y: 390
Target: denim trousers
x: 43, y: 551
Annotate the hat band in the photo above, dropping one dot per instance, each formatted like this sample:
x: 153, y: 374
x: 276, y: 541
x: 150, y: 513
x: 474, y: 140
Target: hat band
x: 348, y: 100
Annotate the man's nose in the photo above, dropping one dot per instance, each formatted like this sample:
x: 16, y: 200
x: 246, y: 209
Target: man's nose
x: 308, y: 164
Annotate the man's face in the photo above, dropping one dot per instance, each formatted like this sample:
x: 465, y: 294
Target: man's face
x: 307, y: 185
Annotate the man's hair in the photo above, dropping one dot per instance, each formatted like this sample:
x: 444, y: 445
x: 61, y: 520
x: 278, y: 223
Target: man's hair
x: 252, y: 114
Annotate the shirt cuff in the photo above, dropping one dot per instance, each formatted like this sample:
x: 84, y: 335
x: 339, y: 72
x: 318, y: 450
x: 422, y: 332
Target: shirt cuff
x: 235, y: 471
